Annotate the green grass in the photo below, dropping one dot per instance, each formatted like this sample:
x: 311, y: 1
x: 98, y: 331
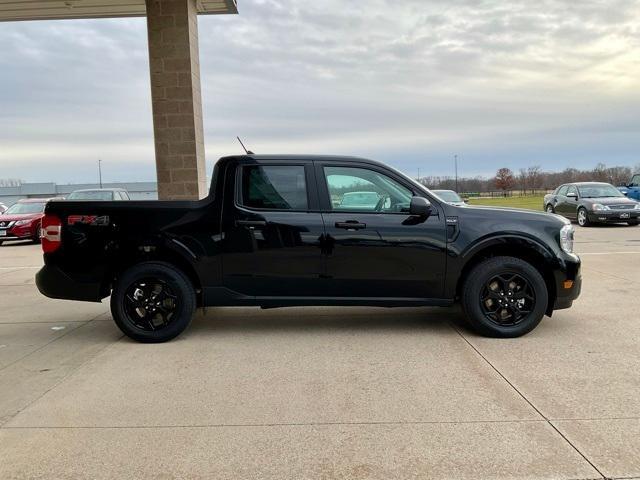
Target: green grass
x: 532, y: 202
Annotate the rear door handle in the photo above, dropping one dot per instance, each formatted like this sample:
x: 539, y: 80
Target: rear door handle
x: 251, y: 223
x: 351, y: 225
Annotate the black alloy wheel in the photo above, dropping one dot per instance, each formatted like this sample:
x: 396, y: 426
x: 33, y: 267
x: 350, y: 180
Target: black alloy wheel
x: 507, y: 299
x: 153, y: 302
x: 150, y: 303
x: 504, y: 297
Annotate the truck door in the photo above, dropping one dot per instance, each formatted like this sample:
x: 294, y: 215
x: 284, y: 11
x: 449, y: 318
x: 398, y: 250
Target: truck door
x: 374, y: 247
x: 272, y: 236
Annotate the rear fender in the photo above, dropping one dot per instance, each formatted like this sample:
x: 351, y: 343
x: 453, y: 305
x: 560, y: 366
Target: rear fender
x: 162, y: 248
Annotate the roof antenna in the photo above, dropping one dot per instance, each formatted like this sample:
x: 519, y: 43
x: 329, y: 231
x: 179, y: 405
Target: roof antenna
x: 248, y: 152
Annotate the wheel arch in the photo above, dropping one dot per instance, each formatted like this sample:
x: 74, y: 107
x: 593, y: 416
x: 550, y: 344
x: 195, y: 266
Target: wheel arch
x: 527, y: 249
x: 169, y: 252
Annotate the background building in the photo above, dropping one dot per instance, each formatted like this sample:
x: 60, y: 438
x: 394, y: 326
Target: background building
x: 137, y: 190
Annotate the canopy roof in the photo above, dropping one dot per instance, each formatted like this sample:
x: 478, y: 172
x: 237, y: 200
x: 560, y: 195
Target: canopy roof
x: 60, y: 9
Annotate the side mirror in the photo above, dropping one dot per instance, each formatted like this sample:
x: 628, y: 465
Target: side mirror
x: 572, y: 195
x: 420, y: 207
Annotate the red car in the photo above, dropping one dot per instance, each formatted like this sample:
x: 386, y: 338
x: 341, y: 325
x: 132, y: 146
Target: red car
x: 22, y: 220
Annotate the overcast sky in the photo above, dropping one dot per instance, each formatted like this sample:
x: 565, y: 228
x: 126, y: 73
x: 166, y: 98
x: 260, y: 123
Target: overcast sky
x: 409, y: 82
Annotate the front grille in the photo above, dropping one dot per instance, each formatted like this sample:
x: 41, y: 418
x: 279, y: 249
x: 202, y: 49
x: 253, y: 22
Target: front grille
x: 622, y: 207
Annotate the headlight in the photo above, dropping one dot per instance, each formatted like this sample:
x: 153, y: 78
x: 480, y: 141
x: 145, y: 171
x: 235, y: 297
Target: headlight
x: 566, y: 238
x: 598, y: 207
x: 636, y: 206
x: 23, y: 222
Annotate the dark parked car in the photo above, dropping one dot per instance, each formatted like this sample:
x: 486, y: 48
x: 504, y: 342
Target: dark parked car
x: 592, y: 202
x: 269, y: 235
x: 100, y: 194
x: 450, y: 197
x: 21, y: 221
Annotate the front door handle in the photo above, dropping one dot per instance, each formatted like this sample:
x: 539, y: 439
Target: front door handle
x: 351, y: 225
x: 251, y: 223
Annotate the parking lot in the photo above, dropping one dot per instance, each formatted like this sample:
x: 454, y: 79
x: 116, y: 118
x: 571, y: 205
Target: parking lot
x: 325, y: 392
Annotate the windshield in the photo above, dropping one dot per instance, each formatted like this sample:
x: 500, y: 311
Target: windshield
x: 91, y: 195
x: 448, y: 195
x: 22, y: 208
x: 599, y: 191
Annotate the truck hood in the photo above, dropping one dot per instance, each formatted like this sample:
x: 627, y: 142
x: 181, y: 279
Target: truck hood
x: 515, y: 217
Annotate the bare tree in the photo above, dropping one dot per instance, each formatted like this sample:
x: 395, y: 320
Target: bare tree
x: 534, y: 175
x: 523, y: 179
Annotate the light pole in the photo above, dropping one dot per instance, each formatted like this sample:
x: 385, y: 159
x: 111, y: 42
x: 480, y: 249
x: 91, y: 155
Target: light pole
x: 455, y: 162
x: 100, y: 172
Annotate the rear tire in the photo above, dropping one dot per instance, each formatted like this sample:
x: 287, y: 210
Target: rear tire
x: 504, y: 297
x: 153, y: 302
x: 550, y: 209
x: 583, y: 217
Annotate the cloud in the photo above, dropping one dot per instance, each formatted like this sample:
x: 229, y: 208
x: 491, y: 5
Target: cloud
x: 413, y: 82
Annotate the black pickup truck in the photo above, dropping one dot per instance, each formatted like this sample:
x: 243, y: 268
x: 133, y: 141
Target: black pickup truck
x: 278, y: 230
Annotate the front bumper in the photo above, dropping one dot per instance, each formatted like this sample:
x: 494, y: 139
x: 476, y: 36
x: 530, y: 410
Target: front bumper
x: 568, y: 282
x: 15, y: 233
x: 54, y: 283
x: 614, y: 216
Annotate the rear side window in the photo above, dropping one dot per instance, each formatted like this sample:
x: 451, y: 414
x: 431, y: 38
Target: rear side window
x: 274, y: 187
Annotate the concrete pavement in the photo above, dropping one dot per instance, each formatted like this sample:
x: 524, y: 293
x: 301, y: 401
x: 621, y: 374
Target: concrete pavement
x: 324, y: 392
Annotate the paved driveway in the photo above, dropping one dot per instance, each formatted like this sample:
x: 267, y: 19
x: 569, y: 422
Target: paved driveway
x: 324, y: 392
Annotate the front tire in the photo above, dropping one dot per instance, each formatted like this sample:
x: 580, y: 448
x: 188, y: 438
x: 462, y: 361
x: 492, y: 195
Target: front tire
x: 504, y: 297
x: 153, y: 302
x: 632, y: 223
x: 583, y: 217
x: 36, y: 239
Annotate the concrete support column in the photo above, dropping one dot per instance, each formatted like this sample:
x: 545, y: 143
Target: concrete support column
x: 172, y: 27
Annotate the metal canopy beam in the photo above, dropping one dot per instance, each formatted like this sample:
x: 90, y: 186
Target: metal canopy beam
x: 15, y: 10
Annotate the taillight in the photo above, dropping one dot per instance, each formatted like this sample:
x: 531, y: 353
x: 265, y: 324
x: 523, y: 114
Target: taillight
x: 51, y: 233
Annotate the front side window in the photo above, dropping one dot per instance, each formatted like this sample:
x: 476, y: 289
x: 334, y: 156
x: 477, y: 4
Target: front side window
x: 274, y: 187
x: 635, y: 181
x: 363, y: 190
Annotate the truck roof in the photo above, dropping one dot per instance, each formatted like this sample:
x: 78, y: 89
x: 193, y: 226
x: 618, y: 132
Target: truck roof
x: 304, y: 158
